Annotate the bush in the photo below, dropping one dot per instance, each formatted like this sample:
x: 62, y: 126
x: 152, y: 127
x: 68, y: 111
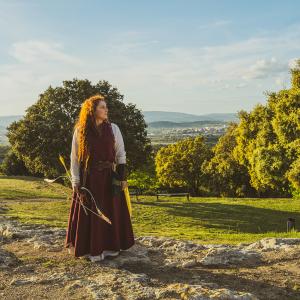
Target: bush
x: 143, y: 180
x: 295, y: 192
x: 12, y: 165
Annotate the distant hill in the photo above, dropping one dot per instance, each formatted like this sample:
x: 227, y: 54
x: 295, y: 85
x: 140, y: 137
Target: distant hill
x: 154, y: 119
x: 178, y: 117
x: 157, y: 116
x: 196, y: 124
x: 4, y: 122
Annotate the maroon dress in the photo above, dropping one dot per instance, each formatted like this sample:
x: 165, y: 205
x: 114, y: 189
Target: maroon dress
x: 89, y: 234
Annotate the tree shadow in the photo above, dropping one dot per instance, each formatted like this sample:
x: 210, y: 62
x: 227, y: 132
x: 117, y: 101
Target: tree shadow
x: 22, y: 177
x: 236, y: 217
x: 201, y: 275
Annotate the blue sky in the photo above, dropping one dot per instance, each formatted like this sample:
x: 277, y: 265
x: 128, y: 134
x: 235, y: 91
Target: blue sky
x: 187, y: 56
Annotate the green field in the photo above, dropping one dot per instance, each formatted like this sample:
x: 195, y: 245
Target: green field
x: 205, y: 220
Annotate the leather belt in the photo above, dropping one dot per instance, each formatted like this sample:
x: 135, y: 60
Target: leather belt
x: 101, y: 164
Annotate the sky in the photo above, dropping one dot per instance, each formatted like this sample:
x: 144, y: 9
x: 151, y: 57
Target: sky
x: 187, y: 56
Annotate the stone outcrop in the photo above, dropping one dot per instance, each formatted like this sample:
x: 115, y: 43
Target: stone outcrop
x: 137, y: 272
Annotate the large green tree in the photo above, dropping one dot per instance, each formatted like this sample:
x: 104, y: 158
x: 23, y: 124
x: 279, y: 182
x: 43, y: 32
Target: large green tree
x: 268, y: 141
x: 261, y: 154
x: 226, y: 177
x: 46, y: 129
x: 179, y: 164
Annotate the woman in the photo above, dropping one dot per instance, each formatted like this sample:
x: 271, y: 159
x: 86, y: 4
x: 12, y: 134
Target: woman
x: 97, y: 151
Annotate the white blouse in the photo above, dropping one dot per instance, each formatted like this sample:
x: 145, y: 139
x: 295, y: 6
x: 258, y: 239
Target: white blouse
x: 119, y: 148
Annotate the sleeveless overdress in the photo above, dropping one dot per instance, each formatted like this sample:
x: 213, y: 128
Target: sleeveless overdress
x: 89, y: 234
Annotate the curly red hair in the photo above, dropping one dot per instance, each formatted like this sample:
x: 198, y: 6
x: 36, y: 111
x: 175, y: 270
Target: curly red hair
x: 85, y: 120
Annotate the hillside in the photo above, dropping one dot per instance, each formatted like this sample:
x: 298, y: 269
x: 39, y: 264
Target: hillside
x: 4, y: 122
x: 169, y: 116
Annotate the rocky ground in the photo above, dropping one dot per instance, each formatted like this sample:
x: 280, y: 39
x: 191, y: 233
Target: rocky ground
x: 34, y: 265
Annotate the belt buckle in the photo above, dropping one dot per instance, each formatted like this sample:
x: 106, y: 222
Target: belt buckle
x: 101, y: 164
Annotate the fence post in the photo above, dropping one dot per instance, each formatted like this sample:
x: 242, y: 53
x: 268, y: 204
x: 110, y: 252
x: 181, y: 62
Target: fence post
x: 290, y: 224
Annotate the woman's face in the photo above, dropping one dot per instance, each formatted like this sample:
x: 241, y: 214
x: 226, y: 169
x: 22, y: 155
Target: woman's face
x: 101, y: 110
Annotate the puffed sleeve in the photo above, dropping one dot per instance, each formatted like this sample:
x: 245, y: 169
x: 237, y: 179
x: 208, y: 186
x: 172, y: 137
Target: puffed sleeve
x: 74, y: 165
x: 119, y: 146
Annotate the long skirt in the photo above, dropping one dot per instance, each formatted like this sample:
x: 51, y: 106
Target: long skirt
x: 89, y: 234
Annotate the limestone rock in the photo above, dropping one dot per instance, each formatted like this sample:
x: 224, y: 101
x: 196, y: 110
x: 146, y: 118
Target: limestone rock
x: 267, y: 244
x: 7, y: 259
x: 189, y: 263
x: 202, y: 292
x: 136, y: 254
x: 227, y: 255
x: 169, y: 244
x: 170, y: 263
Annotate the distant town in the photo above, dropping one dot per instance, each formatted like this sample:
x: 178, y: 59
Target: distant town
x: 171, y: 135
x: 164, y: 127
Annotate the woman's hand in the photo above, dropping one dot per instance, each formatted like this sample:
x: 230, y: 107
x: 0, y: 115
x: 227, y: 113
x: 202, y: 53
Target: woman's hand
x: 81, y: 194
x: 124, y: 184
x: 76, y: 188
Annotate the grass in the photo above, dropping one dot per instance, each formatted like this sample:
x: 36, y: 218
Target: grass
x: 21, y: 187
x: 205, y: 220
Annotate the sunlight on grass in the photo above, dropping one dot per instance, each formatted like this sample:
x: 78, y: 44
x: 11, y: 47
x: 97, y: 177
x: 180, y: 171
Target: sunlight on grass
x: 20, y: 187
x: 203, y: 220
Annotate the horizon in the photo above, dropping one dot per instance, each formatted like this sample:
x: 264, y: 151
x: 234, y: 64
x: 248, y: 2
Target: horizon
x: 196, y: 55
x: 147, y: 111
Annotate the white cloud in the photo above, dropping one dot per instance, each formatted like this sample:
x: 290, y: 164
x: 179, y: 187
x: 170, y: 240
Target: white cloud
x: 245, y: 59
x: 241, y: 85
x: 215, y: 24
x: 38, y: 64
x: 264, y: 68
x: 281, y: 82
x: 138, y: 65
x: 41, y: 51
x: 129, y: 47
x: 293, y: 63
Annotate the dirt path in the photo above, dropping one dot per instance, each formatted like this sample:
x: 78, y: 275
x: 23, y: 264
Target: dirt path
x: 34, y: 265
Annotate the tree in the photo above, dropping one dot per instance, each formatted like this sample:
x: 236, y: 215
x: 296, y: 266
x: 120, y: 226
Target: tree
x: 179, y: 164
x: 225, y: 175
x: 268, y: 141
x: 12, y: 165
x: 46, y: 129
